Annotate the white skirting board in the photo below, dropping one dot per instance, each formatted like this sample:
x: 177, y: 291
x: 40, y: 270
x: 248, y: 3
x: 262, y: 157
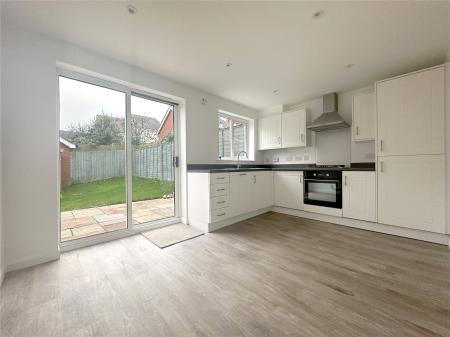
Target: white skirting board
x: 210, y: 227
x: 442, y: 239
x: 32, y: 261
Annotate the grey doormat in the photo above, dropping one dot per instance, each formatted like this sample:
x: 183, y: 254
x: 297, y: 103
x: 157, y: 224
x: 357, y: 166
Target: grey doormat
x: 170, y: 235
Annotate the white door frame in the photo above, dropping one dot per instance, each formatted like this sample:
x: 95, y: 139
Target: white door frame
x: 131, y: 229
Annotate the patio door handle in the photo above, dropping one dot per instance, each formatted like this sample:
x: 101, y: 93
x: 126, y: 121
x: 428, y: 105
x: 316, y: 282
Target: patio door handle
x: 176, y: 161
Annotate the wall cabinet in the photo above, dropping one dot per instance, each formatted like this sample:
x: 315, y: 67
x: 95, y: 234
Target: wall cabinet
x: 411, y: 192
x: 359, y: 195
x: 269, y: 131
x: 288, y: 189
x: 363, y: 117
x: 293, y: 129
x: 284, y: 130
x: 410, y: 114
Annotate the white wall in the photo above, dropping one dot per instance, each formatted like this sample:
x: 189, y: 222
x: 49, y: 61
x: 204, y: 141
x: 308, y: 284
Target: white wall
x: 330, y: 147
x: 30, y: 131
x: 2, y: 246
x: 447, y: 80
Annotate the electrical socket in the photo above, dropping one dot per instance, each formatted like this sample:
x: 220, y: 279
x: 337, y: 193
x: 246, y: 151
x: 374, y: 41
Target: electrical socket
x: 275, y: 159
x: 288, y: 158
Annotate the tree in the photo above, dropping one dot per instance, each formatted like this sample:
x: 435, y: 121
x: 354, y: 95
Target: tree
x: 105, y: 131
x: 102, y: 130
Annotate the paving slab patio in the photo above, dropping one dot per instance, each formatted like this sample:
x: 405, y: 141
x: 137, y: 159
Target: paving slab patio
x: 85, y: 222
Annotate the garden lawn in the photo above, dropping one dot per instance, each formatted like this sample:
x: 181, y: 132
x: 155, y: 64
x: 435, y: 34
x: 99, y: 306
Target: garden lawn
x: 111, y: 192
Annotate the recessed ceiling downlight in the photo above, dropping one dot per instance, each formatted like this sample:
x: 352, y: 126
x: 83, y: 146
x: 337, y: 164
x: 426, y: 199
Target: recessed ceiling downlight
x: 349, y: 65
x: 131, y: 9
x: 275, y: 91
x: 228, y: 65
x: 318, y: 14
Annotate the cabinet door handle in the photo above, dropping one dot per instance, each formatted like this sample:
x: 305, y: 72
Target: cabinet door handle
x: 220, y: 178
x: 220, y: 189
x: 345, y: 181
x: 302, y: 137
x: 357, y: 130
x: 381, y: 166
x: 221, y: 202
x: 279, y: 140
x: 301, y: 179
x: 221, y: 214
x: 242, y: 174
x: 381, y: 144
x: 254, y: 179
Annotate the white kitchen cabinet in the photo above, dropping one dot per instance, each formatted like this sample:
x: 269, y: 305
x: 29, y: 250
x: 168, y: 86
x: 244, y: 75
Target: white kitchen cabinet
x: 269, y: 131
x: 293, y: 129
x: 208, y: 198
x: 288, y: 189
x: 284, y: 130
x: 263, y: 192
x: 359, y: 195
x: 411, y: 192
x: 241, y: 192
x: 363, y: 117
x: 250, y: 191
x: 410, y: 114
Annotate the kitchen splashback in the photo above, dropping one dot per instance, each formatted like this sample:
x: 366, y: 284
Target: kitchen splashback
x: 332, y: 147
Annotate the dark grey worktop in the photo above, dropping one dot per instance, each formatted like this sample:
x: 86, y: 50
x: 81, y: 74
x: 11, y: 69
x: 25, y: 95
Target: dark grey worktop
x: 218, y: 168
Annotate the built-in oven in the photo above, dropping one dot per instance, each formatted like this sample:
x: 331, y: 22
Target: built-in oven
x: 323, y: 188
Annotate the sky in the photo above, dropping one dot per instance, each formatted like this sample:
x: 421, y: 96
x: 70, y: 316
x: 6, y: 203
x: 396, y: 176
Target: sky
x: 80, y: 102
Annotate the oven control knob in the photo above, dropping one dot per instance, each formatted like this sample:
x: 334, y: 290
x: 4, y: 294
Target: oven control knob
x: 328, y: 174
x: 314, y: 174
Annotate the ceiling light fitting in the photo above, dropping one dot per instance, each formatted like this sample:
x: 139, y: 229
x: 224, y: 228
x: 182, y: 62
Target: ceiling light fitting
x: 131, y: 9
x: 318, y: 14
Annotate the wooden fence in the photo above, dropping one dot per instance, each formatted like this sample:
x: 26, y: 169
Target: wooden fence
x: 150, y: 162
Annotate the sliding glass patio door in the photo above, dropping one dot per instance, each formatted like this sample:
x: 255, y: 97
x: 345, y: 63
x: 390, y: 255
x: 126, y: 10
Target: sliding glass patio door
x: 116, y: 158
x: 153, y: 150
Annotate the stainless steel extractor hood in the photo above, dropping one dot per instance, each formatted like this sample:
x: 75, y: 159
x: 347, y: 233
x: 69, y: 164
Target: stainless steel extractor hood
x: 329, y: 119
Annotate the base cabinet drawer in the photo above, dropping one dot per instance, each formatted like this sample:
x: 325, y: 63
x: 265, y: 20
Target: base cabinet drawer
x: 219, y: 178
x: 219, y: 189
x: 219, y: 214
x: 219, y: 202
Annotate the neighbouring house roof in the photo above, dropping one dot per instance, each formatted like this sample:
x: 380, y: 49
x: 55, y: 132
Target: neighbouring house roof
x: 67, y: 143
x: 169, y: 110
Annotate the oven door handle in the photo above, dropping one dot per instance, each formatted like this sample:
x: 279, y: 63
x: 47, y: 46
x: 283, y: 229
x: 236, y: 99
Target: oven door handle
x: 325, y: 180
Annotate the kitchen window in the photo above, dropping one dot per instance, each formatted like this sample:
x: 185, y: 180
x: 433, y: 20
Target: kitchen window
x: 233, y: 132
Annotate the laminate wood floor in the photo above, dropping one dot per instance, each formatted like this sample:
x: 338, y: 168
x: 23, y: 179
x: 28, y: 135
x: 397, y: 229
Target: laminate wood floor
x: 272, y: 275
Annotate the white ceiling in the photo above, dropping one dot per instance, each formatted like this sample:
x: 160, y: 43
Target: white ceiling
x: 272, y: 45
